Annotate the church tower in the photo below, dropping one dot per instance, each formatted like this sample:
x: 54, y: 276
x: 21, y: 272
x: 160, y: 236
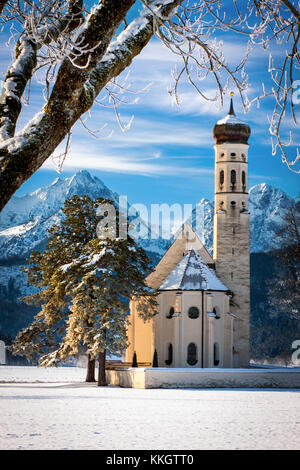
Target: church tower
x: 231, y: 225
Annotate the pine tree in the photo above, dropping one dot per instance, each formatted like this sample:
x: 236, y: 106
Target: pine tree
x: 44, y: 272
x: 87, y: 283
x: 111, y: 272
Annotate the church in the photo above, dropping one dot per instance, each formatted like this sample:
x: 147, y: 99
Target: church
x: 203, y: 313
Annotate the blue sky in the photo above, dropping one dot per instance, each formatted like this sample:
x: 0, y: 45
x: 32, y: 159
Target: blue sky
x: 167, y: 156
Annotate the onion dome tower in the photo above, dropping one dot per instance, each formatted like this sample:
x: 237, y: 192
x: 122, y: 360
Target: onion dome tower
x: 231, y: 224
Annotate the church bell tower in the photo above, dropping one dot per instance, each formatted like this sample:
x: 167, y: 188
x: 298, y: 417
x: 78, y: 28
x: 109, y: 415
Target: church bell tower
x: 231, y: 225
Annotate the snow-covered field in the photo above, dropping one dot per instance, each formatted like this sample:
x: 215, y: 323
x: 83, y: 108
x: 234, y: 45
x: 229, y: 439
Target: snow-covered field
x: 18, y: 374
x: 82, y: 416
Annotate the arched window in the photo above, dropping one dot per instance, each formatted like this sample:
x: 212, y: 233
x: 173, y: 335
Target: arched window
x: 192, y: 358
x: 216, y: 355
x: 171, y: 312
x: 193, y: 312
x: 244, y: 180
x: 217, y: 315
x: 233, y: 176
x: 170, y: 355
x: 221, y: 177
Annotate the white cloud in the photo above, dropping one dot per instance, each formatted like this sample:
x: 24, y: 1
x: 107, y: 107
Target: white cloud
x: 80, y: 157
x: 156, y: 130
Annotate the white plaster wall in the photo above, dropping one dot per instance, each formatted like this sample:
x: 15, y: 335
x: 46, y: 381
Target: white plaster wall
x: 181, y: 331
x: 204, y: 378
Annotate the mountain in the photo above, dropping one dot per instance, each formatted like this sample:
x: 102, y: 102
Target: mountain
x: 267, y: 206
x: 201, y: 220
x: 25, y: 220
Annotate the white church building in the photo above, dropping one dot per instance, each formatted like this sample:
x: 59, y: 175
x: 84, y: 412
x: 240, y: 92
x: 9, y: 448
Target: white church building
x: 203, y: 313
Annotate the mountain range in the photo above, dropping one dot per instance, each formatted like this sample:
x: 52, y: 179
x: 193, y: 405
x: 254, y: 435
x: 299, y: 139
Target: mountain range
x: 25, y: 220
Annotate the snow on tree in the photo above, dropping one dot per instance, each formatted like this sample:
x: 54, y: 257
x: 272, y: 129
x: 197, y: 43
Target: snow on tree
x: 82, y: 50
x: 110, y: 272
x: 85, y: 285
x: 65, y: 243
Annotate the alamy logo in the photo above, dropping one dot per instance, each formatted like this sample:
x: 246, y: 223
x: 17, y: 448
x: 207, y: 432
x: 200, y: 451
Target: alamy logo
x: 163, y: 220
x: 296, y: 92
x: 296, y: 354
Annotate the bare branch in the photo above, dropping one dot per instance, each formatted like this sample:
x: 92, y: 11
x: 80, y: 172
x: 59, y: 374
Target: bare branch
x: 26, y: 59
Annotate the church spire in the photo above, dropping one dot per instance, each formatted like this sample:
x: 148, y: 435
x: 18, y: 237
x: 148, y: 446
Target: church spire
x: 231, y: 129
x: 231, y: 110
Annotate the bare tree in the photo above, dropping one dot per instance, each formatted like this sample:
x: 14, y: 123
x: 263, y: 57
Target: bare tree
x: 81, y: 53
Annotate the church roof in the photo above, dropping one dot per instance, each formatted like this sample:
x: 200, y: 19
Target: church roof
x: 231, y: 129
x: 192, y: 273
x: 185, y: 240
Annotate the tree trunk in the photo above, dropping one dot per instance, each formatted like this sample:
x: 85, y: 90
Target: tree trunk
x: 90, y: 372
x: 75, y: 88
x: 101, y: 369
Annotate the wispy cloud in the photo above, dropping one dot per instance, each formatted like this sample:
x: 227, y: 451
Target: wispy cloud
x: 159, y: 130
x: 151, y: 166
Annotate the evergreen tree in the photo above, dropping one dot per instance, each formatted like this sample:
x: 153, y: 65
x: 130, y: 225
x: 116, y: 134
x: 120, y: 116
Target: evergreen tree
x: 109, y: 273
x: 85, y: 284
x: 44, y: 272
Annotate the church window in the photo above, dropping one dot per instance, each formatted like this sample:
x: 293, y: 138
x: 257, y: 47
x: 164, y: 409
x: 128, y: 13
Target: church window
x: 233, y: 154
x: 221, y: 177
x: 222, y: 154
x: 244, y: 180
x: 233, y: 176
x: 170, y: 355
x: 192, y: 358
x: 193, y: 312
x: 217, y: 315
x: 171, y: 312
x: 216, y: 354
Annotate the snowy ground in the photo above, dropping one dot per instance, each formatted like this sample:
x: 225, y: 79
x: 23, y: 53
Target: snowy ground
x: 82, y: 416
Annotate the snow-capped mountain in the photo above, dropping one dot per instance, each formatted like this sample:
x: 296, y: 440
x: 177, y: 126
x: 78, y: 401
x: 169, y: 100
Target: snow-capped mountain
x: 25, y: 220
x: 201, y: 220
x: 267, y: 207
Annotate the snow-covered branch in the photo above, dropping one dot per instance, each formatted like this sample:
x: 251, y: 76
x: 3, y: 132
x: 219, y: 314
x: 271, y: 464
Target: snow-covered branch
x: 33, y: 38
